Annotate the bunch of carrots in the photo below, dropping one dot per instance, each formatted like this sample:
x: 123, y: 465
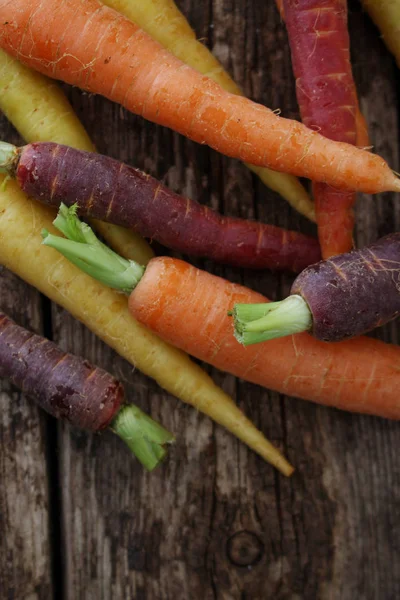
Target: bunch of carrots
x: 145, y: 57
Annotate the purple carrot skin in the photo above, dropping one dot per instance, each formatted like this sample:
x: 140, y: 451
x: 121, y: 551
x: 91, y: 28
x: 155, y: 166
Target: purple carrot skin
x: 353, y: 293
x: 336, y: 299
x: 71, y: 389
x: 111, y: 191
x: 327, y: 97
x: 64, y: 385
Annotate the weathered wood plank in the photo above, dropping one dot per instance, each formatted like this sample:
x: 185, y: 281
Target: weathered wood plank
x: 25, y: 556
x: 215, y: 521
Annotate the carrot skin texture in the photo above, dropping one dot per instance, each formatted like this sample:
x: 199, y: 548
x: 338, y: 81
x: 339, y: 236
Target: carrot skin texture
x: 64, y: 385
x: 165, y: 23
x: 363, y: 140
x: 109, y: 190
x: 353, y: 293
x: 326, y: 93
x: 106, y: 53
x: 189, y: 307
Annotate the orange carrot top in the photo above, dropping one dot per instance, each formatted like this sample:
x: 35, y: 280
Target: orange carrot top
x: 103, y: 52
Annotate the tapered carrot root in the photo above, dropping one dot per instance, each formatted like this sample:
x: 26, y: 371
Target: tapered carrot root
x: 109, y: 190
x: 326, y: 93
x: 165, y: 23
x: 40, y: 111
x: 106, y: 53
x: 189, y: 308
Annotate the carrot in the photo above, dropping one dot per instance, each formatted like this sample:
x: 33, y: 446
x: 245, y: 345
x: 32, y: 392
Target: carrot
x: 363, y: 140
x: 106, y: 314
x: 188, y: 308
x: 71, y: 389
x: 46, y: 115
x: 40, y: 111
x: 326, y: 93
x: 386, y: 16
x: 165, y: 23
x: 107, y: 189
x: 335, y: 299
x: 106, y: 53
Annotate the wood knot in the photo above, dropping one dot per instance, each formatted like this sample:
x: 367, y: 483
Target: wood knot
x: 245, y: 549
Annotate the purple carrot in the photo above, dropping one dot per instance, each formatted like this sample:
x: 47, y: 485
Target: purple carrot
x: 71, y: 389
x: 112, y: 191
x: 345, y: 296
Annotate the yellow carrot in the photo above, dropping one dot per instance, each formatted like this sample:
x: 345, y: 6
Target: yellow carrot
x: 38, y: 109
x: 386, y: 15
x: 106, y: 313
x: 164, y: 22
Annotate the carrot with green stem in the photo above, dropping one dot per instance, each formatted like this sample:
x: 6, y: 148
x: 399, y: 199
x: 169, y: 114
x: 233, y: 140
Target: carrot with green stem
x: 39, y: 110
x: 335, y: 299
x: 386, y: 16
x: 105, y: 312
x: 326, y: 93
x: 107, y: 189
x: 106, y: 53
x: 163, y: 20
x: 189, y: 308
x: 71, y: 389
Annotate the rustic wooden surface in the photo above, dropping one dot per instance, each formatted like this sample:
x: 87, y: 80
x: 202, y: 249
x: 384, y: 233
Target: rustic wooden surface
x: 80, y: 519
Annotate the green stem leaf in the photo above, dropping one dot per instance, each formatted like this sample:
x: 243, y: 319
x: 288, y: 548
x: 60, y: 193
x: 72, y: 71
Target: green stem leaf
x: 89, y: 254
x: 145, y: 437
x: 255, y: 323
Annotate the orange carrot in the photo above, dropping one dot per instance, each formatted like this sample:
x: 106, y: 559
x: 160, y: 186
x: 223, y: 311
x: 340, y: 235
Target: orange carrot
x: 189, y: 308
x: 103, y: 52
x: 320, y: 49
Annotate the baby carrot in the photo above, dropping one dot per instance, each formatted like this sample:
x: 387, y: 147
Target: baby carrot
x: 39, y: 110
x: 71, y: 389
x: 108, y: 189
x: 163, y: 20
x: 103, y: 52
x: 189, y: 308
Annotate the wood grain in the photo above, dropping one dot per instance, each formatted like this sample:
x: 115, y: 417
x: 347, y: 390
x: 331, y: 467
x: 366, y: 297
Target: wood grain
x: 215, y: 521
x: 25, y: 550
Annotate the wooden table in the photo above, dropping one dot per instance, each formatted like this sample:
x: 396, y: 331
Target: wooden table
x: 80, y: 520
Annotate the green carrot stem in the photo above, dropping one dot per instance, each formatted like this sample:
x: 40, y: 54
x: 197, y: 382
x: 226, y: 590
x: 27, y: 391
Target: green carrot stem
x: 9, y: 155
x: 85, y: 250
x: 256, y: 323
x: 146, y: 438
